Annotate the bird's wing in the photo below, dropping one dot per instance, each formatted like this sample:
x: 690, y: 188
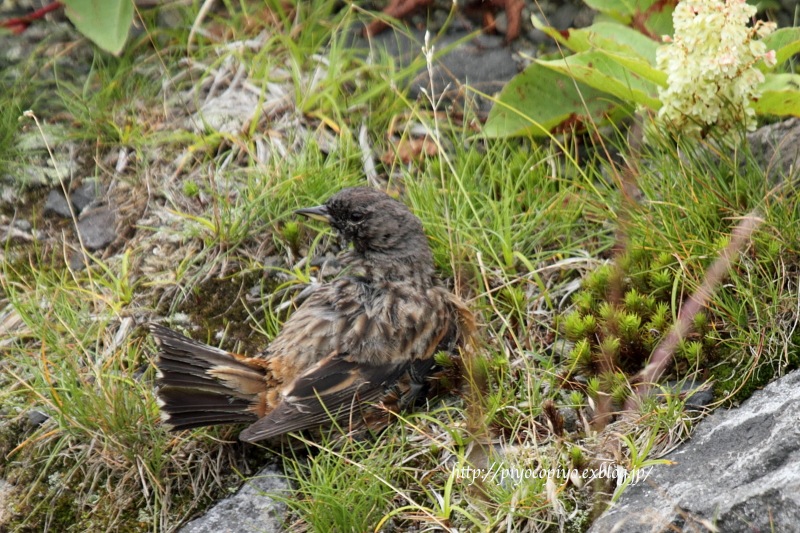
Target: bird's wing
x: 337, y: 388
x: 346, y: 347
x: 374, y: 325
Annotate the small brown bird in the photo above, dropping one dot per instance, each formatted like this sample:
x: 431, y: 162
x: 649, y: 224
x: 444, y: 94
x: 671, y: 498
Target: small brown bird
x: 359, y: 347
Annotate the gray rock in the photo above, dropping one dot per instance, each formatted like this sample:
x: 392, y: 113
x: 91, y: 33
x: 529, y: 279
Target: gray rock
x: 23, y: 225
x: 36, y: 418
x: 739, y: 473
x: 8, y: 193
x: 56, y: 204
x: 564, y: 17
x: 538, y: 37
x: 6, y: 490
x: 249, y: 510
x: 78, y: 260
x: 483, y: 62
x: 501, y: 23
x: 85, y: 194
x: 777, y: 148
x: 97, y: 228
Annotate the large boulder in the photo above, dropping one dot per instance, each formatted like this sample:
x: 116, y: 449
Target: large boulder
x: 739, y: 473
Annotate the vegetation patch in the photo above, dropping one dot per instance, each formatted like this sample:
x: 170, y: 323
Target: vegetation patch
x: 577, y: 255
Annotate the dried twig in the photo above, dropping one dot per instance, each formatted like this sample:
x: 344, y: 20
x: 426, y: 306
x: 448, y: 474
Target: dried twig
x: 714, y: 276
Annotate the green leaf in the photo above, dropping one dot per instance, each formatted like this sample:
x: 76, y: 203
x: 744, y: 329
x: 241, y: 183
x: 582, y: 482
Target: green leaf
x: 653, y: 17
x: 104, y: 22
x: 600, y: 71
x: 621, y: 9
x: 540, y: 100
x: 785, y: 42
x: 608, y: 36
x: 780, y: 95
x: 640, y: 67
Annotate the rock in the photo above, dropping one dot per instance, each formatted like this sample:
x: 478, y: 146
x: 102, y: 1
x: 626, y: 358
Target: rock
x: 97, y: 228
x: 6, y: 489
x: 538, y: 37
x: 483, y: 62
x: 81, y: 197
x: 16, y: 231
x: 564, y: 17
x: 36, y: 418
x: 8, y: 193
x: 501, y: 23
x: 78, y: 260
x: 56, y: 204
x: 249, y: 510
x: 23, y: 225
x: 739, y: 473
x: 85, y: 194
x: 570, y: 418
x: 777, y: 148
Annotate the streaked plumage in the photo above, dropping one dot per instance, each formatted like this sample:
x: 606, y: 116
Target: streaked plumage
x: 365, y: 339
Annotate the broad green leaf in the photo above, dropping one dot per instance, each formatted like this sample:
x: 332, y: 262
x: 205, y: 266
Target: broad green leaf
x: 608, y: 36
x: 641, y: 67
x: 623, y: 9
x: 104, y: 22
x: 785, y: 42
x: 651, y: 17
x: 540, y: 101
x: 600, y: 71
x: 780, y: 95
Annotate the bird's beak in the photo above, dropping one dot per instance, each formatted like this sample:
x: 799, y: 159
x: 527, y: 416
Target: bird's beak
x: 318, y: 213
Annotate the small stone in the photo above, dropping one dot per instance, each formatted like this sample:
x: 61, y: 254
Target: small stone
x: 249, y: 510
x: 776, y: 147
x: 8, y: 194
x: 56, y: 204
x: 36, y: 418
x: 23, y: 225
x: 77, y: 261
x: 84, y: 195
x: 538, y: 37
x: 6, y: 506
x: 563, y: 18
x: 97, y: 228
x: 570, y: 417
x: 501, y: 23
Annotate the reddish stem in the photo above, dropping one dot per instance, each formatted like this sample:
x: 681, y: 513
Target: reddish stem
x: 714, y: 276
x: 20, y: 24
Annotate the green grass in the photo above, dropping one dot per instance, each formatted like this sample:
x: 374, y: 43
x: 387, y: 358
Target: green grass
x: 212, y: 246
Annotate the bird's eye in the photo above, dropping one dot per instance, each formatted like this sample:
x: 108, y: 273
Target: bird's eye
x: 357, y: 216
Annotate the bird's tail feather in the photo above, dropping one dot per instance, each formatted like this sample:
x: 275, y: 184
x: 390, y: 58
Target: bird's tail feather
x: 200, y: 385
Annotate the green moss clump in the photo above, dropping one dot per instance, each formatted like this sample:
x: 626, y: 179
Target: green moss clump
x: 620, y: 315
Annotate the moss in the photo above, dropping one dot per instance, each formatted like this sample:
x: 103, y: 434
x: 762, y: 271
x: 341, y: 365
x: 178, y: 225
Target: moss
x: 620, y: 316
x: 219, y: 304
x: 734, y: 388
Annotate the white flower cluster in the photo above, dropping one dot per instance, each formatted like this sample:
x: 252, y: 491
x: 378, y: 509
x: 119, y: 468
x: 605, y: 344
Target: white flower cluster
x: 711, y: 66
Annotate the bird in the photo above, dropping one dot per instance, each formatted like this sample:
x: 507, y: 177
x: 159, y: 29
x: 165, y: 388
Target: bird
x: 359, y: 348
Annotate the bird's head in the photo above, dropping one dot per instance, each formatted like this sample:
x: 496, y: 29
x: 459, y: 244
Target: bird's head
x: 375, y: 223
